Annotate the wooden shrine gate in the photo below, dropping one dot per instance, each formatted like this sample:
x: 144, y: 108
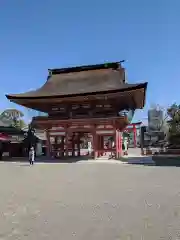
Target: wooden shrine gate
x: 103, y: 139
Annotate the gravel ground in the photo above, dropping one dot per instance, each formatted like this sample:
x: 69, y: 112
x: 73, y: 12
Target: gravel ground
x: 89, y: 201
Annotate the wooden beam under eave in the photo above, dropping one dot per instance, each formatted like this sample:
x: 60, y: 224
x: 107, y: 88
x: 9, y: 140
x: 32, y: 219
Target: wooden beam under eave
x: 80, y: 98
x: 59, y: 122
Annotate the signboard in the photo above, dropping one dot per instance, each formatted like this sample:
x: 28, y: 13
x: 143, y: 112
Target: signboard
x: 103, y: 132
x: 16, y: 139
x: 57, y: 128
x: 57, y: 133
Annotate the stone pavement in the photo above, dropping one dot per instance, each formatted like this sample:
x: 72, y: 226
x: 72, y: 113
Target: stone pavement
x: 134, y: 157
x: 89, y: 201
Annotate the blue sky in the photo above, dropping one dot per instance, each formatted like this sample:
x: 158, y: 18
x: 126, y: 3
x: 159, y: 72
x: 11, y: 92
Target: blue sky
x: 37, y: 35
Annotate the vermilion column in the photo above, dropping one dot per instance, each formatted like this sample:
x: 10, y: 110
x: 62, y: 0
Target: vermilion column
x: 102, y: 145
x: 78, y: 145
x: 48, y: 144
x: 62, y: 146
x: 95, y: 142
x: 73, y: 144
x: 99, y: 145
x: 66, y: 142
x: 135, y: 136
x: 118, y: 144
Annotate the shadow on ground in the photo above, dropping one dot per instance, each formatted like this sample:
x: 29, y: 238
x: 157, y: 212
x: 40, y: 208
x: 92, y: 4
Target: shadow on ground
x: 46, y: 160
x: 134, y: 160
x: 140, y: 160
x: 161, y: 161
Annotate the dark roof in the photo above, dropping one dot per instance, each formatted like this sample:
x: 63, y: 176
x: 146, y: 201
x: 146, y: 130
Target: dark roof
x: 77, y: 80
x: 47, y: 92
x: 113, y: 65
x: 81, y: 80
x: 11, y: 130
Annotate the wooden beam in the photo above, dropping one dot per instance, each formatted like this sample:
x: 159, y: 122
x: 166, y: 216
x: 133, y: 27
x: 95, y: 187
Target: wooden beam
x: 35, y: 103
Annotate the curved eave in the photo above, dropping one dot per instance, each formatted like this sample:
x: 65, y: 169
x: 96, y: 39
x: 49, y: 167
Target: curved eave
x: 29, y: 95
x: 49, y: 120
x: 40, y: 103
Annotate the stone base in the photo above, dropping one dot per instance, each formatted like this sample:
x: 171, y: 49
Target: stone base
x: 166, y: 160
x: 173, y: 151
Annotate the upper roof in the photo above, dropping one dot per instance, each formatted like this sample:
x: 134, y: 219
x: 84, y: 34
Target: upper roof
x: 111, y: 65
x: 79, y: 80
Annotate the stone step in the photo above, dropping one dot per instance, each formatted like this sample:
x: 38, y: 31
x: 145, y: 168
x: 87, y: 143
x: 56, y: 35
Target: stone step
x: 140, y: 160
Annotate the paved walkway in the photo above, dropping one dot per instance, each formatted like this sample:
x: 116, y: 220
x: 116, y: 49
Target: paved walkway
x: 134, y: 157
x: 89, y: 201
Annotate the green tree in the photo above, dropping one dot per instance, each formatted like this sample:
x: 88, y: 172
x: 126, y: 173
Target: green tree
x: 18, y: 123
x: 22, y: 124
x: 160, y: 128
x: 174, y: 125
x: 13, y: 117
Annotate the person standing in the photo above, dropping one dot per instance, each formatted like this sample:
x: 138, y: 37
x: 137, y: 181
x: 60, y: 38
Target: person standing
x: 89, y: 148
x: 31, y: 156
x: 125, y: 145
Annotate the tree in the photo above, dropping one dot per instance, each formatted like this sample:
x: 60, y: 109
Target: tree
x: 174, y: 125
x: 18, y: 123
x: 22, y: 124
x: 158, y: 128
x: 13, y: 117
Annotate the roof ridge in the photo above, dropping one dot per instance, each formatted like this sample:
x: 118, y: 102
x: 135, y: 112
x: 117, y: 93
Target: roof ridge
x: 105, y: 65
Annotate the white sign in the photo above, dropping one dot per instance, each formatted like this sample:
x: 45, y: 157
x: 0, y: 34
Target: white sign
x: 105, y: 132
x: 57, y: 128
x: 57, y: 133
x: 16, y: 139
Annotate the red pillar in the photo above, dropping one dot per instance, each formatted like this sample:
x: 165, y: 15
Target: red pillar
x: 48, y: 144
x: 118, y: 144
x: 95, y: 143
x: 102, y: 146
x: 66, y: 142
x: 99, y: 145
x: 135, y: 136
x: 78, y: 145
x: 56, y: 147
x: 62, y: 146
x: 73, y: 145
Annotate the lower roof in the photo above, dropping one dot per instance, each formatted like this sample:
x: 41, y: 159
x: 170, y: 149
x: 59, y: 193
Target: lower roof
x: 131, y: 96
x: 41, y: 94
x: 11, y: 130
